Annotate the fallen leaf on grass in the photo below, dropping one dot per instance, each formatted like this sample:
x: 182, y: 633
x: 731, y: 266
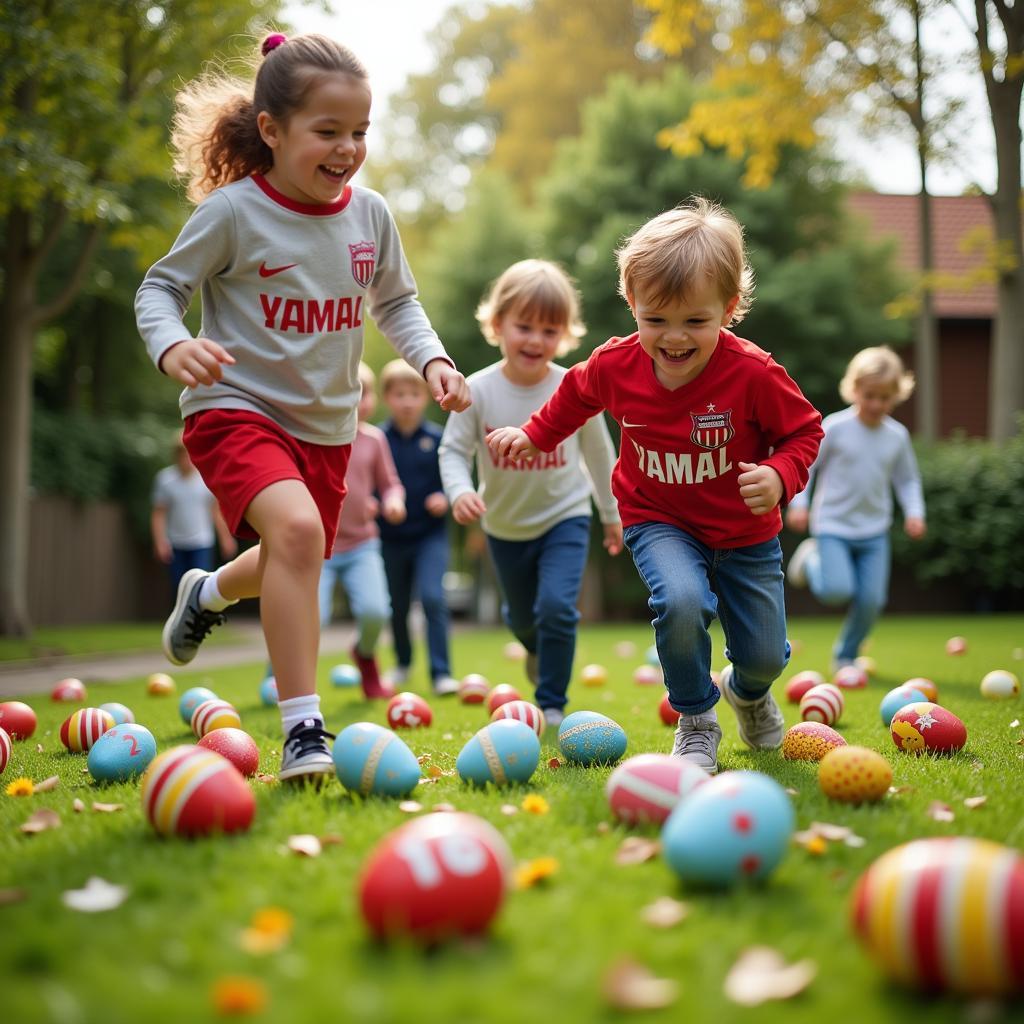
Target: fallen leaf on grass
x: 9, y: 896
x: 77, y: 806
x: 664, y: 913
x: 47, y: 784
x: 107, y: 808
x: 972, y: 803
x: 265, y: 778
x: 554, y: 763
x: 833, y: 833
x: 331, y: 839
x: 792, y: 792
x: 816, y: 838
x: 410, y: 807
x: 41, y: 821
x: 39, y: 748
x: 236, y: 995
x: 896, y: 790
x: 533, y: 803
x: 938, y: 811
x: 530, y: 872
x: 1015, y: 723
x: 305, y: 845
x: 761, y: 974
x: 637, y: 850
x: 434, y: 772
x: 20, y: 787
x: 269, y: 931
x: 631, y: 986
x: 97, y: 895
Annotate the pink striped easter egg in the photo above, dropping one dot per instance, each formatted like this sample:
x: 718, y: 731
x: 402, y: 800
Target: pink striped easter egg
x: 822, y: 703
x: 521, y: 711
x: 214, y: 714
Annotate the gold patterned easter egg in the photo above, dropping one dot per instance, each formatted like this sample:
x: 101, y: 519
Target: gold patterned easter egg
x: 854, y: 775
x: 810, y: 741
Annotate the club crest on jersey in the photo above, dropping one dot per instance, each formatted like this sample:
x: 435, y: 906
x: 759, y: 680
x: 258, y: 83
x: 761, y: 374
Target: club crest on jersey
x: 364, y: 260
x: 712, y: 429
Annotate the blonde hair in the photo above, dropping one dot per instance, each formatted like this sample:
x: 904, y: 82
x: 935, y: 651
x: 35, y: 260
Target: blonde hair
x: 879, y: 363
x: 534, y: 289
x: 670, y: 254
x: 214, y: 135
x: 366, y: 376
x: 398, y: 371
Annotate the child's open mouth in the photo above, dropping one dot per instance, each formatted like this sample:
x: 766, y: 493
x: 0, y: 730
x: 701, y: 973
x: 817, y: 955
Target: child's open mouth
x: 677, y: 356
x: 335, y: 174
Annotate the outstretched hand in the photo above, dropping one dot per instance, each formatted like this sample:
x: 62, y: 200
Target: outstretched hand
x: 760, y: 487
x: 196, y: 361
x: 511, y: 443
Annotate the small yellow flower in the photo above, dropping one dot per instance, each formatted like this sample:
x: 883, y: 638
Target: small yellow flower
x: 20, y: 787
x: 530, y: 872
x: 235, y: 995
x: 534, y: 804
x: 269, y: 931
x: 816, y: 846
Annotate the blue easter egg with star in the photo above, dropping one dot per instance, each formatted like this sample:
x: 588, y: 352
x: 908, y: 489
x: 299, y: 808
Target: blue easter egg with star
x: 119, y: 713
x: 345, y: 675
x: 737, y: 825
x: 586, y: 737
x: 191, y: 699
x: 899, y: 698
x: 371, y: 759
x: 503, y: 752
x: 121, y: 753
x: 268, y: 692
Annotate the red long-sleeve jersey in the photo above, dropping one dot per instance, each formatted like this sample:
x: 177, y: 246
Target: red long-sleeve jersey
x: 680, y: 450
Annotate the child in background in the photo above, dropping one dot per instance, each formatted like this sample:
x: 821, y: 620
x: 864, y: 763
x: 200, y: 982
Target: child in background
x: 416, y: 550
x: 536, y: 513
x: 356, y: 561
x: 289, y: 257
x: 714, y: 435
x: 865, y: 455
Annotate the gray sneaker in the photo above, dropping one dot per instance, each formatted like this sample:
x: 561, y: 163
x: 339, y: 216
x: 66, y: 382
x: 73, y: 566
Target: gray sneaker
x: 796, y: 571
x: 189, y: 623
x: 697, y: 739
x: 553, y: 717
x: 759, y: 721
x: 306, y: 756
x: 445, y: 686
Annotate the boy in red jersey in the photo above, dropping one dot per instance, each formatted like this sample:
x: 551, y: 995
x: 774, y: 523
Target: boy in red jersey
x: 715, y: 434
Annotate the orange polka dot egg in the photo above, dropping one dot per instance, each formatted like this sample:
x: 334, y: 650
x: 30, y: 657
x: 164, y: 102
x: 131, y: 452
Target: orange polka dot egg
x: 854, y: 775
x: 810, y: 741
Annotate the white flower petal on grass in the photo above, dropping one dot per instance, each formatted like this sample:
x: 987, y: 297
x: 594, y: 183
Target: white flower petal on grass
x: 47, y: 784
x: 305, y: 845
x: 631, y: 986
x: 761, y: 974
x: 972, y: 803
x: 97, y: 895
x: 664, y: 913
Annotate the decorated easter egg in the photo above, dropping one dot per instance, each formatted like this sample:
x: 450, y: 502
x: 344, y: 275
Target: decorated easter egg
x: 408, y: 711
x: 624, y: 648
x: 822, y: 703
x: 921, y: 727
x: 899, y: 698
x: 17, y: 719
x: 503, y: 693
x: 801, y: 683
x: 214, y: 714
x: 850, y: 677
x: 5, y: 750
x: 586, y: 737
x: 121, y: 753
x: 926, y: 686
x: 945, y: 915
x: 1000, y: 685
x: 191, y: 699
x: 473, y: 689
x: 652, y: 656
x: 118, y: 712
x: 371, y: 759
x: 435, y: 877
x: 521, y: 711
x: 736, y: 825
x: 237, y: 746
x: 810, y: 741
x: 956, y: 645
x: 70, y: 690
x: 647, y: 675
x: 647, y: 787
x: 593, y: 675
x: 160, y: 684
x: 667, y: 713
x: 189, y: 791
x: 82, y: 728
x: 514, y: 651
x: 345, y: 675
x: 501, y: 752
x: 854, y: 775
x: 867, y: 665
x: 268, y: 692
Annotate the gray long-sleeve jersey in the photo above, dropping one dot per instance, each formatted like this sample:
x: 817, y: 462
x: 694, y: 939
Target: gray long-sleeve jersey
x: 526, y: 498
x: 285, y: 289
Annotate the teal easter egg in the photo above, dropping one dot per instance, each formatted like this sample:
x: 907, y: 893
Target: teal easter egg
x: 121, y: 753
x: 586, y: 737
x: 899, y: 698
x: 268, y: 691
x: 652, y: 656
x: 191, y: 699
x: 345, y: 675
x: 371, y: 759
x: 737, y: 825
x: 119, y: 713
x: 502, y: 752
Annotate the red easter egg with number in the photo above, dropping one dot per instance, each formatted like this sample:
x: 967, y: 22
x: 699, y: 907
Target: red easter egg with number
x: 926, y: 727
x: 70, y: 690
x: 801, y: 683
x: 648, y: 787
x: 822, y: 704
x: 18, y: 719
x: 236, y: 745
x: 667, y: 713
x: 473, y: 689
x: 850, y: 677
x: 503, y: 693
x: 521, y: 711
x: 82, y: 728
x: 408, y: 711
x: 5, y: 749
x: 436, y: 877
x: 214, y: 714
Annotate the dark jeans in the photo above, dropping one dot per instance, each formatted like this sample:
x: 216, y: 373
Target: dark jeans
x: 183, y: 559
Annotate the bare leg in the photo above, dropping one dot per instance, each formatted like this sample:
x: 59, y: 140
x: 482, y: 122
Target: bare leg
x: 241, y: 577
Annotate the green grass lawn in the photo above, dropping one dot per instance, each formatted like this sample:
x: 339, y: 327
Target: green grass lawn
x: 157, y: 956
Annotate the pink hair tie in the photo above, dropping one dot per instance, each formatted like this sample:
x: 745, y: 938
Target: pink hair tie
x: 272, y: 42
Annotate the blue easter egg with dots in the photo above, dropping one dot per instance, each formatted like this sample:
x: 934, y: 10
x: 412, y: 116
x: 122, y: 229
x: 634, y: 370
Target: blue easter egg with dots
x: 268, y: 692
x: 586, y: 737
x: 345, y: 675
x: 737, y: 825
x: 119, y: 713
x: 899, y: 698
x: 125, y: 752
x: 502, y: 752
x: 191, y: 699
x: 371, y: 759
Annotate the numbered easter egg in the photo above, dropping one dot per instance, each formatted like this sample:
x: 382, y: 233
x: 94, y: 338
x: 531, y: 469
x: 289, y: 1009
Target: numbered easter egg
x: 648, y: 787
x: 586, y: 738
x: 945, y: 915
x: 667, y: 713
x: 474, y: 689
x: 121, y: 753
x: 1000, y: 685
x: 191, y: 699
x: 652, y: 657
x: 160, y: 684
x: 514, y: 651
x: 521, y: 711
x: 121, y: 714
x: 268, y: 692
x: 5, y: 750
x: 810, y: 741
x: 371, y: 759
x: 408, y: 711
x: 500, y: 753
x: 956, y: 645
x: 822, y: 704
x: 854, y: 775
x: 69, y: 690
x: 593, y: 675
x: 899, y: 698
x: 82, y: 728
x: 436, y: 877
x: 926, y: 727
x: 737, y: 825
x: 17, y: 719
x: 926, y: 686
x: 214, y: 714
x: 237, y: 746
x: 647, y: 675
x: 345, y: 675
x: 189, y: 791
x: 503, y: 693
x: 850, y: 677
x: 801, y: 683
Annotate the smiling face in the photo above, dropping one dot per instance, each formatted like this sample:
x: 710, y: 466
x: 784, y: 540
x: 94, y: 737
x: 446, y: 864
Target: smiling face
x: 528, y: 345
x: 680, y: 335
x: 322, y: 145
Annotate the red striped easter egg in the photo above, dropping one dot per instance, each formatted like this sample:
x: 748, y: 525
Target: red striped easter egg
x: 70, y: 690
x: 521, y: 711
x: 82, y: 728
x: 822, y: 703
x: 5, y: 750
x: 214, y: 714
x: 648, y: 787
x: 503, y: 693
x: 801, y: 683
x: 473, y: 689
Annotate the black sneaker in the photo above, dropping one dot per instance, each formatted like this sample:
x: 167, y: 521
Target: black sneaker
x: 189, y: 623
x: 306, y: 754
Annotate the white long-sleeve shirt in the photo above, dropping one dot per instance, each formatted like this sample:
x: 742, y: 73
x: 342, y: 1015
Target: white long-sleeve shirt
x: 525, y: 498
x: 853, y: 478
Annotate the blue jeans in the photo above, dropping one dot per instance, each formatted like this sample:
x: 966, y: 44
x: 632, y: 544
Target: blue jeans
x: 690, y: 583
x: 360, y: 571
x: 183, y: 559
x: 418, y: 567
x: 854, y: 571
x: 540, y: 582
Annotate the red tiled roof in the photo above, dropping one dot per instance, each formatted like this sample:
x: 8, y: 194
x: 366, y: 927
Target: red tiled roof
x: 962, y: 230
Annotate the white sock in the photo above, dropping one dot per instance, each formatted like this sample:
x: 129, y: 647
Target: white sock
x: 298, y: 709
x: 210, y: 596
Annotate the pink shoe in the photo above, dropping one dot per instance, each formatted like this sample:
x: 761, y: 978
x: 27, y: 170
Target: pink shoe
x: 374, y: 688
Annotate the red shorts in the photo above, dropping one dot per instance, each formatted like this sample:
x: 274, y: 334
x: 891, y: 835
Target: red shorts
x: 239, y: 453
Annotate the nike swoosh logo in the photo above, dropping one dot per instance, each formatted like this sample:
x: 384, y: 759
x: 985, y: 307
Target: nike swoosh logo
x: 632, y: 426
x: 266, y: 271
